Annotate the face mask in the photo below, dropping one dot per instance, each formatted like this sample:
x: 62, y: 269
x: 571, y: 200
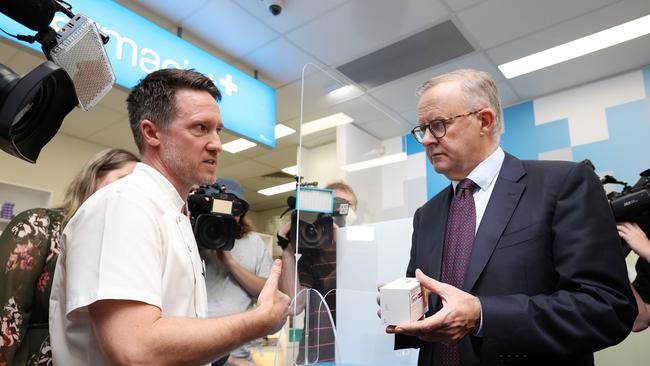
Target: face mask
x: 351, y: 217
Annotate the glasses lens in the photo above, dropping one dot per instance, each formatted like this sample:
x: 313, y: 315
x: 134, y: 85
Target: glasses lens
x: 438, y: 129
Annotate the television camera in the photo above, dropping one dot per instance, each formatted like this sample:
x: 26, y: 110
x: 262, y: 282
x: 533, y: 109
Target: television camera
x: 212, y: 215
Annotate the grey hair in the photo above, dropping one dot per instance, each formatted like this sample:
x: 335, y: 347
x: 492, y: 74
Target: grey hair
x: 480, y: 91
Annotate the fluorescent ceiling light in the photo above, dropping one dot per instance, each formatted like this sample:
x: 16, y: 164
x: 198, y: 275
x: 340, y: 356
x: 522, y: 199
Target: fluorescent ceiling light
x: 293, y: 170
x: 325, y: 123
x: 582, y: 46
x: 278, y: 189
x: 383, y: 160
x: 282, y: 131
x: 238, y: 145
x: 342, y: 91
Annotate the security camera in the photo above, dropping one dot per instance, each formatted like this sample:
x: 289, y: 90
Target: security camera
x: 274, y: 6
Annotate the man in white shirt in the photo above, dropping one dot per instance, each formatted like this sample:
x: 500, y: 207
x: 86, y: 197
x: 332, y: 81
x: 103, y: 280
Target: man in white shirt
x: 129, y: 287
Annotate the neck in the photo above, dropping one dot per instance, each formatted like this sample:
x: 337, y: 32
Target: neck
x: 154, y: 161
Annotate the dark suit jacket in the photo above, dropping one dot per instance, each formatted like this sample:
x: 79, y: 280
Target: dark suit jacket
x: 547, y: 266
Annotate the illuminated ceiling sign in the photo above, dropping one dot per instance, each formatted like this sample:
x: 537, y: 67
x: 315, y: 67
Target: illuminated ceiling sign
x: 137, y: 47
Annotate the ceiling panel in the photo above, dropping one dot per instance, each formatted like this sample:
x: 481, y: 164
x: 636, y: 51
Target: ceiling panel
x: 287, y: 60
x: 280, y: 158
x: 117, y: 135
x: 294, y: 13
x: 229, y: 27
x: 461, y: 4
x: 362, y: 26
x: 7, y: 51
x: 495, y: 22
x: 24, y: 62
x: 82, y: 124
x: 624, y: 57
x: 171, y: 9
x: 570, y: 30
x: 400, y: 94
x: 244, y: 169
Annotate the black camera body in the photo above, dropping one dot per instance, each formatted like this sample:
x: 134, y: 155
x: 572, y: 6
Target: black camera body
x: 212, y: 215
x: 632, y: 203
x: 316, y: 229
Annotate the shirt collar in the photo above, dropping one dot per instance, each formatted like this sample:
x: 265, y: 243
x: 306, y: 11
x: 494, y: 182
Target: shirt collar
x: 163, y: 184
x: 486, y: 171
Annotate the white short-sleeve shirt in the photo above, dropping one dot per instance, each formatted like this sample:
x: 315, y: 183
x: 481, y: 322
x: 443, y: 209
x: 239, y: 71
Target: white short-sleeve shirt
x: 128, y: 241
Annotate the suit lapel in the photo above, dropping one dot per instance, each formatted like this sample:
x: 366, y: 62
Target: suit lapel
x: 503, y: 201
x: 435, y: 234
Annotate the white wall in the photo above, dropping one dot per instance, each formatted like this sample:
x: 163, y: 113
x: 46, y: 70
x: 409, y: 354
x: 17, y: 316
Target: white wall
x: 58, y: 163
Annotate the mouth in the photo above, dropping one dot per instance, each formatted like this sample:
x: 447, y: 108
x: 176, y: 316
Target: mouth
x: 212, y: 162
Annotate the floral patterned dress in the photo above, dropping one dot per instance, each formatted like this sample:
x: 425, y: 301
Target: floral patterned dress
x: 29, y: 248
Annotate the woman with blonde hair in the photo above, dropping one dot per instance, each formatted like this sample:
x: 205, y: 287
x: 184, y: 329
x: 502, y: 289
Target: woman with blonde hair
x: 29, y: 248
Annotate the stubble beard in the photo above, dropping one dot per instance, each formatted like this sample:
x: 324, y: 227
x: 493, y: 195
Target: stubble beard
x: 174, y: 160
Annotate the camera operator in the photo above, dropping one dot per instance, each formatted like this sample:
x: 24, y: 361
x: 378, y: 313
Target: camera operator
x: 639, y: 243
x: 316, y: 270
x: 234, y: 278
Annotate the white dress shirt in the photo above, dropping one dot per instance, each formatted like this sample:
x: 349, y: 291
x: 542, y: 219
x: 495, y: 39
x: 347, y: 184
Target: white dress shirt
x: 128, y: 241
x: 485, y: 176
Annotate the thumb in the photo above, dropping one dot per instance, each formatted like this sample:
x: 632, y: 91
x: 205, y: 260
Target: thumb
x: 274, y: 277
x: 429, y: 284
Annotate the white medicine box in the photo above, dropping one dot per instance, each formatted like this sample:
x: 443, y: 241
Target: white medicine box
x: 401, y: 301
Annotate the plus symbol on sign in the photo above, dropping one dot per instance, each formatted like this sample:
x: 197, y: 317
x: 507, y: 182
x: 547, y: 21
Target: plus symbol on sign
x: 228, y: 84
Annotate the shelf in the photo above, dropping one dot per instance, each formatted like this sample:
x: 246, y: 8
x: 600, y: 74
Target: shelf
x: 24, y: 198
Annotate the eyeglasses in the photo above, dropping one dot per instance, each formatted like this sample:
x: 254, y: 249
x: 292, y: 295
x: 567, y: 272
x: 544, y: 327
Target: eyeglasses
x: 437, y: 127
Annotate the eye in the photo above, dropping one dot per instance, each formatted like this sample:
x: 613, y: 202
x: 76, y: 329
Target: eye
x: 201, y: 127
x: 219, y: 129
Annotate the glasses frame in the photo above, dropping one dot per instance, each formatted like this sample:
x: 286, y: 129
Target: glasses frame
x: 438, y: 121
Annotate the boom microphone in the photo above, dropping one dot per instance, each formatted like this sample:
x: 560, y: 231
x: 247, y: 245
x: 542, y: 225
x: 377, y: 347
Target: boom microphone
x: 33, y: 14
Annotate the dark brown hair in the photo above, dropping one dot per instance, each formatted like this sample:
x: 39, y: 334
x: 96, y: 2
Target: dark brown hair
x: 153, y: 98
x: 244, y: 227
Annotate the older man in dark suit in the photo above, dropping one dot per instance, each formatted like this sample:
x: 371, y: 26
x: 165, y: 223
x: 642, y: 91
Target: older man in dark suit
x: 521, y: 259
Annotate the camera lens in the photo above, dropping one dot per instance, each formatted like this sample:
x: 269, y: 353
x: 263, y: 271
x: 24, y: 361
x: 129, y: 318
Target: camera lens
x: 310, y: 235
x: 215, y: 231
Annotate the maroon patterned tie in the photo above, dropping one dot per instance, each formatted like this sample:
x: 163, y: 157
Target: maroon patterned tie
x: 459, y: 239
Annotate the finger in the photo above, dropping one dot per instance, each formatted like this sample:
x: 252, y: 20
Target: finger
x: 379, y: 286
x: 274, y: 277
x: 390, y: 329
x: 429, y: 283
x: 418, y: 327
x: 379, y: 313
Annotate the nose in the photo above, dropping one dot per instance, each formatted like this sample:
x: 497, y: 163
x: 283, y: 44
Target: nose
x: 428, y: 138
x: 215, y: 143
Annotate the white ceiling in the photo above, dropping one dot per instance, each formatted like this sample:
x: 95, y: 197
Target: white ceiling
x: 334, y: 32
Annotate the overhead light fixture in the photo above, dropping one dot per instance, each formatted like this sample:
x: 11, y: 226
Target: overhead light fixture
x: 293, y: 170
x: 278, y: 189
x: 283, y: 130
x: 325, y: 123
x: 580, y: 47
x: 341, y: 91
x: 238, y: 145
x: 366, y: 164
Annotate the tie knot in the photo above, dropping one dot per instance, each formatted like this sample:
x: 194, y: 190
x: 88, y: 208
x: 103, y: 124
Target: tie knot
x: 467, y: 184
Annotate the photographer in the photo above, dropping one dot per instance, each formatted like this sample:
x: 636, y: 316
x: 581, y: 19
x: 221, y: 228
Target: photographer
x: 316, y: 270
x: 234, y: 278
x: 639, y: 243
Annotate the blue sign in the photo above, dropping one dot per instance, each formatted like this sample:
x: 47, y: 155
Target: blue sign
x: 138, y: 47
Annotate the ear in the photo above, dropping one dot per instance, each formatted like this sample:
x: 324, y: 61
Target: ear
x: 486, y: 116
x: 150, y: 132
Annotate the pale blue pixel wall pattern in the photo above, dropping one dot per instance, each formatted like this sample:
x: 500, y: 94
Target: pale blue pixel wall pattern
x: 623, y: 153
